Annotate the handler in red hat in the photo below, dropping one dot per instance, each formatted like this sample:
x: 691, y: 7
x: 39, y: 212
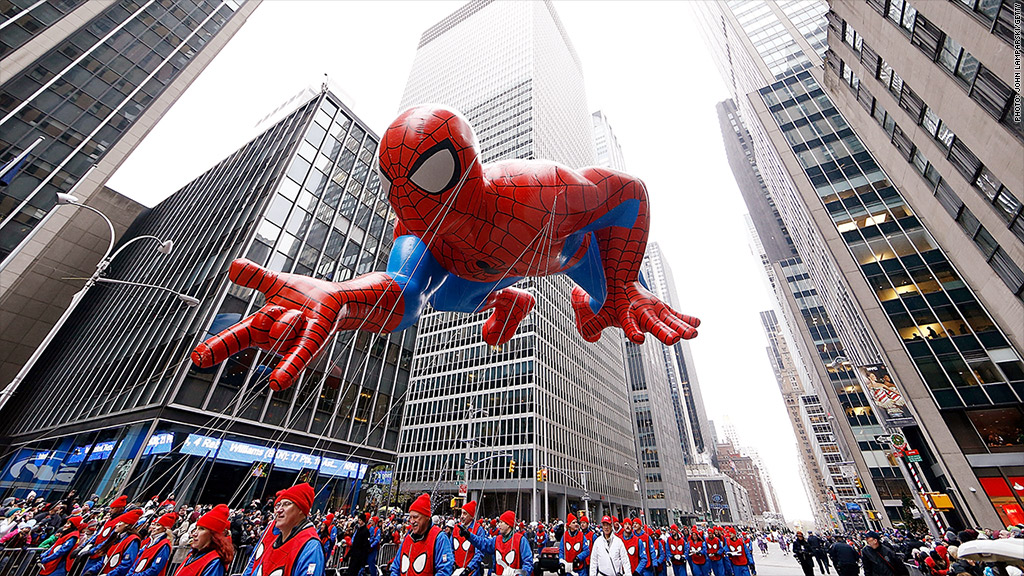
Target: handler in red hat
x: 574, y: 547
x: 511, y: 551
x: 426, y: 549
x: 290, y: 543
x: 211, y: 545
x: 376, y: 534
x: 467, y: 558
x: 99, y: 543
x: 328, y: 536
x: 57, y: 561
x: 120, y: 557
x: 156, y: 549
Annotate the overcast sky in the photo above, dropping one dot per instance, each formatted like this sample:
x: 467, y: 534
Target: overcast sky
x: 645, y: 66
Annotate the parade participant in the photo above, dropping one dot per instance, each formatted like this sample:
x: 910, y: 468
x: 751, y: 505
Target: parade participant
x: 101, y: 540
x: 121, y: 555
x: 290, y: 544
x: 542, y: 536
x: 659, y: 547
x: 589, y: 534
x: 697, y: 553
x: 643, y: 534
x: 210, y: 550
x: 425, y: 550
x: 510, y: 550
x: 740, y: 557
x: 373, y: 526
x: 328, y: 536
x: 608, y: 555
x: 676, y: 551
x: 155, y: 551
x: 802, y: 553
x: 58, y: 560
x: 467, y: 558
x: 574, y: 547
x: 716, y: 552
x: 634, y: 548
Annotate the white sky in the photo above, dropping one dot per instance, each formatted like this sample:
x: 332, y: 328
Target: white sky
x: 645, y: 65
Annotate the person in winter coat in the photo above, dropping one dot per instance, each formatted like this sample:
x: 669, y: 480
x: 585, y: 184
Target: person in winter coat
x: 845, y: 558
x: 608, y: 555
x: 120, y: 556
x: 359, y: 551
x: 879, y: 559
x: 803, y: 554
x: 20, y: 538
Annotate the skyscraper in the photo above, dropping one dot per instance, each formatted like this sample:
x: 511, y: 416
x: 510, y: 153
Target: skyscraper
x: 115, y: 404
x: 90, y: 79
x: 926, y: 332
x: 547, y: 398
x: 606, y: 145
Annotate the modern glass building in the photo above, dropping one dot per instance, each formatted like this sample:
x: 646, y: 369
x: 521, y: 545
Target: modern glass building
x: 115, y: 403
x: 547, y: 398
x: 82, y: 84
x: 937, y: 349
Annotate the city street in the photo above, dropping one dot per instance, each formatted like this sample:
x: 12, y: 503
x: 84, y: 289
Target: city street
x: 777, y: 564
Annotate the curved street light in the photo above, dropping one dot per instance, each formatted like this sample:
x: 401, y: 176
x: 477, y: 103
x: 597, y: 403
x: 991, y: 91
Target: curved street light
x: 164, y: 247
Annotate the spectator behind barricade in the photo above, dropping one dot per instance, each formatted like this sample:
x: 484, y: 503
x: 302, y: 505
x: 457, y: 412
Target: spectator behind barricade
x: 359, y: 550
x: 20, y: 538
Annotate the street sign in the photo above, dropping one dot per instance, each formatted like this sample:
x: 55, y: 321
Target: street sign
x: 898, y: 440
x: 864, y: 496
x: 463, y: 490
x: 883, y: 438
x: 913, y: 457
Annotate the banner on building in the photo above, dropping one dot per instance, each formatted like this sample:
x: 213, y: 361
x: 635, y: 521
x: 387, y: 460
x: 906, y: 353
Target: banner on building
x: 886, y: 396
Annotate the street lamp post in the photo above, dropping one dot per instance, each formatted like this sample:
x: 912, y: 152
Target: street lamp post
x: 165, y: 247
x: 640, y: 485
x: 467, y: 438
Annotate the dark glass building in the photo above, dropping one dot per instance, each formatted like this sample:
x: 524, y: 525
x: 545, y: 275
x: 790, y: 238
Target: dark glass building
x: 115, y: 404
x: 82, y: 85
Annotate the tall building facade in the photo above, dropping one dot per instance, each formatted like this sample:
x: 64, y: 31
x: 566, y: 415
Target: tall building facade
x: 929, y: 88
x: 82, y: 84
x: 931, y: 330
x: 547, y: 399
x: 606, y: 145
x: 684, y: 389
x: 115, y: 404
x: 741, y: 468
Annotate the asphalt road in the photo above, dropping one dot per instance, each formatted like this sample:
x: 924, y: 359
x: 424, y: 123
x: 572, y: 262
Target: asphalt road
x: 777, y: 564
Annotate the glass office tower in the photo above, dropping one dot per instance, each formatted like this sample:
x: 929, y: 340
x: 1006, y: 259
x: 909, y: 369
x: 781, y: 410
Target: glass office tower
x: 931, y: 345
x: 548, y: 398
x: 82, y: 84
x: 116, y: 404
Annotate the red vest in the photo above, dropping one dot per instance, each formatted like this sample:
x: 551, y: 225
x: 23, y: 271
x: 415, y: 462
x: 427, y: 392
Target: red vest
x: 677, y: 550
x: 632, y: 545
x: 648, y: 542
x: 464, y: 551
x: 418, y: 557
x: 714, y: 548
x: 102, y: 536
x: 573, y: 544
x: 68, y: 558
x: 737, y: 552
x: 149, y: 551
x: 116, y: 554
x: 507, y: 553
x: 282, y: 557
x: 696, y: 554
x: 194, y: 565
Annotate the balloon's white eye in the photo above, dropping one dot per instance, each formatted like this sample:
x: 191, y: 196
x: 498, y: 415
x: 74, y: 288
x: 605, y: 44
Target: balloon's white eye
x: 437, y: 170
x: 385, y: 184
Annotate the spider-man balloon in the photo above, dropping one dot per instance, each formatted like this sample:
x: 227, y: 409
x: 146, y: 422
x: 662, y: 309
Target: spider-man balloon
x: 465, y: 234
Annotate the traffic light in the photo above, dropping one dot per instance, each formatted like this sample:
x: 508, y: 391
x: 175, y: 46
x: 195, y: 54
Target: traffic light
x: 542, y: 475
x: 858, y: 483
x: 511, y: 466
x: 455, y: 503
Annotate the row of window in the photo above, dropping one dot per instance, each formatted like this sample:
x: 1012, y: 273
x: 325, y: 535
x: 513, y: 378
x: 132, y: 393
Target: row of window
x: 30, y: 18
x: 994, y: 96
x: 1008, y: 206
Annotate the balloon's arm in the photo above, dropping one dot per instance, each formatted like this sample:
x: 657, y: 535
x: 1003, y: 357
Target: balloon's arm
x: 392, y: 301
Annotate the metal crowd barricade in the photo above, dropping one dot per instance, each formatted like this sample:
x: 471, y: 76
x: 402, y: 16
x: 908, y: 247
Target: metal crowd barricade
x: 19, y: 561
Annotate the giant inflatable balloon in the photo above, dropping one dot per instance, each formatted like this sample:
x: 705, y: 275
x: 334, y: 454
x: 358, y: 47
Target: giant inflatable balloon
x: 465, y: 233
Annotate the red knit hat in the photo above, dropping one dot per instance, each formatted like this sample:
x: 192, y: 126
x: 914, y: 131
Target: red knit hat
x: 422, y: 505
x: 168, y: 520
x: 674, y: 527
x: 76, y: 521
x: 584, y: 518
x: 120, y: 502
x: 130, y: 517
x: 508, y: 517
x: 302, y: 495
x: 329, y: 520
x: 215, y: 520
x: 570, y: 518
x: 470, y: 507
